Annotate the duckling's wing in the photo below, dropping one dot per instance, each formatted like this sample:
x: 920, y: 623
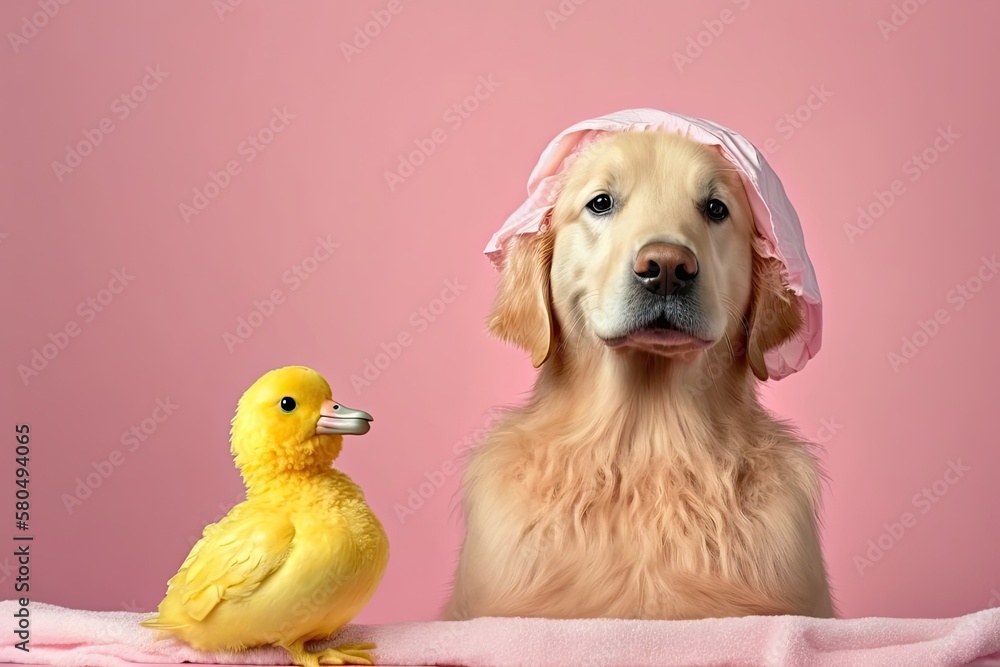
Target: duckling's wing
x: 231, y: 560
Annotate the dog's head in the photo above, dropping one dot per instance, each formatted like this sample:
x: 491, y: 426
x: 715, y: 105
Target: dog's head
x: 651, y: 250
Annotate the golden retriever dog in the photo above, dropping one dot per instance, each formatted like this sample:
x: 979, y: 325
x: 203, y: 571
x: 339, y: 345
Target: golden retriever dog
x: 643, y: 479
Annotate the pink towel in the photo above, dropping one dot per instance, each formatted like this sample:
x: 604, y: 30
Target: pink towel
x: 109, y: 639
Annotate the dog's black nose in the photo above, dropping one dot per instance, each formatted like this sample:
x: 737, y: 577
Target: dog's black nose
x: 664, y: 268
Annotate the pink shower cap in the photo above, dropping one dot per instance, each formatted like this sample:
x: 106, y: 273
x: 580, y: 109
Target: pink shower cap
x: 774, y: 217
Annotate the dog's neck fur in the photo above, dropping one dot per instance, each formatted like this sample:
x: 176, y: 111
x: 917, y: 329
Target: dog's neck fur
x: 636, y: 404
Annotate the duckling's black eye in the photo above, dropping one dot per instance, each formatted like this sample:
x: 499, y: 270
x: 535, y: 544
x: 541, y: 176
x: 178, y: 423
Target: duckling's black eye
x: 601, y: 204
x: 716, y: 210
x: 287, y: 404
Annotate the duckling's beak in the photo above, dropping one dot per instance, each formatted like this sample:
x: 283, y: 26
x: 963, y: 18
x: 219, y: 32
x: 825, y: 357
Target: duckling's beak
x: 338, y: 419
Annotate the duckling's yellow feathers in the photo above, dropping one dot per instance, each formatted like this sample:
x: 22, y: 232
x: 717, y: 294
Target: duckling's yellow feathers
x: 229, y: 562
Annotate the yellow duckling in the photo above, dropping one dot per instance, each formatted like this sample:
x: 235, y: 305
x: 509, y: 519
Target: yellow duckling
x: 303, y: 554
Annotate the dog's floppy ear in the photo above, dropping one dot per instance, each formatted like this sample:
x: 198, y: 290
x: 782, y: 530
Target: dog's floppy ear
x: 522, y: 310
x: 775, y: 314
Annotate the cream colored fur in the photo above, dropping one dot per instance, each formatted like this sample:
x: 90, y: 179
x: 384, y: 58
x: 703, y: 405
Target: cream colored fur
x: 637, y: 483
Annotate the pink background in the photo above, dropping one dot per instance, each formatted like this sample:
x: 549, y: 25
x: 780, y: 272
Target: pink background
x: 893, y: 432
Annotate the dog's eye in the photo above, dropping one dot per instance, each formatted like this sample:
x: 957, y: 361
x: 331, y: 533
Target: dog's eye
x: 601, y: 204
x: 716, y: 210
